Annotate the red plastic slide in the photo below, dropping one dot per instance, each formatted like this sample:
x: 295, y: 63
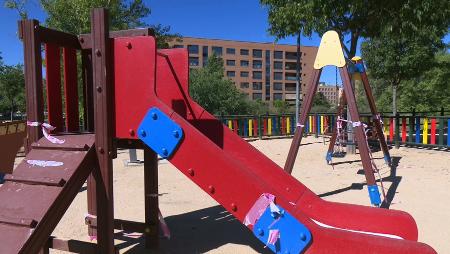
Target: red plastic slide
x: 235, y: 173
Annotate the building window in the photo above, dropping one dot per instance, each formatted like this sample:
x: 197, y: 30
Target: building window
x: 193, y: 49
x: 278, y: 86
x: 257, y: 96
x: 257, y: 53
x: 257, y: 64
x: 257, y: 85
x: 277, y: 76
x: 291, y: 66
x: 244, y: 85
x: 205, y: 55
x: 289, y: 87
x: 177, y: 46
x: 231, y: 74
x: 278, y: 54
x: 244, y: 74
x: 257, y: 75
x: 244, y: 63
x: 290, y: 76
x: 277, y: 96
x: 278, y: 65
x: 231, y: 62
x: 244, y: 52
x: 290, y: 55
x: 193, y: 61
x: 217, y: 50
x: 231, y: 51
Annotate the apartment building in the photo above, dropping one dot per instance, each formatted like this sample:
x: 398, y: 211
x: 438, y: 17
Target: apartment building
x: 265, y: 71
x: 331, y: 92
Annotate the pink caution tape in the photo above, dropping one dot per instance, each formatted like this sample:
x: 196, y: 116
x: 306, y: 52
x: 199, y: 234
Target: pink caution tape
x: 258, y: 208
x: 42, y: 163
x: 46, y: 129
x: 274, y: 235
x: 162, y: 223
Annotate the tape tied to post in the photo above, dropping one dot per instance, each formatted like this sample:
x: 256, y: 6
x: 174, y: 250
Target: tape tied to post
x: 46, y: 129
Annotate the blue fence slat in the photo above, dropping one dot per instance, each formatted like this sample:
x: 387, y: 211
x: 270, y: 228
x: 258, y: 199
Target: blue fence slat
x: 418, y: 130
x: 448, y: 132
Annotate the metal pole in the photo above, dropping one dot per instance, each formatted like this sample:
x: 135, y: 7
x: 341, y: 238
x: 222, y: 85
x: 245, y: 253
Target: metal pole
x: 298, y: 78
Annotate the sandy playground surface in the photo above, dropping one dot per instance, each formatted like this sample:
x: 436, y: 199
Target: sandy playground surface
x: 199, y: 225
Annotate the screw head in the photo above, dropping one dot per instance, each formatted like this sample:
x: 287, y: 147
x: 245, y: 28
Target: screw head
x: 211, y: 189
x: 128, y: 45
x: 143, y: 133
x: 131, y: 131
x: 99, y: 89
x: 164, y: 151
x: 191, y: 172
x: 302, y: 237
x: 154, y: 116
x: 82, y: 40
x: 101, y: 150
x: 176, y: 134
x: 233, y: 207
x: 98, y: 52
x: 260, y: 232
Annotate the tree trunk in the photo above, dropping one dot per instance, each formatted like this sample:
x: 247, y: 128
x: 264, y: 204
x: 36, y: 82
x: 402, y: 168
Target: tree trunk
x: 394, y: 107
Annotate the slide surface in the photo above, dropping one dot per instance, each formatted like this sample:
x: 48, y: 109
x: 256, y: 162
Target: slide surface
x: 236, y: 174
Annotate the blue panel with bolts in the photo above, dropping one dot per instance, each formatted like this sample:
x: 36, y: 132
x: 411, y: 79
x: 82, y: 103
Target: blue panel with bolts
x: 294, y: 236
x: 374, y: 195
x: 160, y: 133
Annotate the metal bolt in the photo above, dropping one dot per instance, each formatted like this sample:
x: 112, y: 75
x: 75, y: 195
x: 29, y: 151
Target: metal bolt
x: 154, y: 116
x: 99, y: 89
x: 288, y: 189
x: 260, y: 232
x: 211, y: 189
x: 131, y: 131
x: 143, y: 133
x: 82, y: 40
x: 164, y: 151
x: 233, y: 207
x: 101, y: 150
x: 191, y: 172
x: 98, y: 52
x: 286, y: 252
x: 128, y: 45
x: 302, y: 237
x: 176, y: 134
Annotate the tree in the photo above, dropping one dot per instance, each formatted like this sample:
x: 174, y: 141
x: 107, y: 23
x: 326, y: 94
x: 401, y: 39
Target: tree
x: 353, y: 18
x: 74, y: 16
x: 321, y: 104
x: 12, y: 88
x: 397, y: 57
x: 214, y: 92
x: 430, y: 92
x: 281, y: 107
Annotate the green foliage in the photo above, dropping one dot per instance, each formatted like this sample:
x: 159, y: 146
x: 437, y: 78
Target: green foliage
x: 431, y: 91
x: 281, y: 107
x: 19, y: 6
x: 12, y: 89
x: 215, y: 93
x: 321, y: 104
x: 355, y: 18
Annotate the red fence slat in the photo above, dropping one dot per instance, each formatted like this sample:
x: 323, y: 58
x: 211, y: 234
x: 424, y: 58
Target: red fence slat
x: 433, y: 131
x: 403, y: 129
x: 53, y: 77
x: 71, y: 89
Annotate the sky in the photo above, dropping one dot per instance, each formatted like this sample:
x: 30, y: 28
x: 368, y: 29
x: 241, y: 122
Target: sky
x: 244, y: 20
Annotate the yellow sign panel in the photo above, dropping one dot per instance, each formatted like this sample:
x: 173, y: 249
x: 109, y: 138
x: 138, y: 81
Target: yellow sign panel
x: 330, y: 51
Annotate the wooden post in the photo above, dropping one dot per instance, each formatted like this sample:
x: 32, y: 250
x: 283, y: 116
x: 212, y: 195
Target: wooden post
x: 397, y: 131
x: 33, y: 78
x: 151, y: 199
x: 101, y: 60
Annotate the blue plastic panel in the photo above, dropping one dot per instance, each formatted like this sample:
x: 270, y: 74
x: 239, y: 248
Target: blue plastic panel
x: 160, y: 133
x: 294, y: 236
x: 374, y: 195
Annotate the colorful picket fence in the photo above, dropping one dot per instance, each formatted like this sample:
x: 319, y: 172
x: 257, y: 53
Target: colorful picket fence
x: 413, y: 130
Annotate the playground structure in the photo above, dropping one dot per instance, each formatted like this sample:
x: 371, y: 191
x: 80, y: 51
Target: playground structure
x: 330, y: 53
x: 136, y: 96
x: 12, y: 134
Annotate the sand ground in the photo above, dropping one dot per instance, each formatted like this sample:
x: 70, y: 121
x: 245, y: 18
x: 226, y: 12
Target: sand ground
x: 199, y: 225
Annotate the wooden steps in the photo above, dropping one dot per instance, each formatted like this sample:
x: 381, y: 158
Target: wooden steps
x: 34, y: 198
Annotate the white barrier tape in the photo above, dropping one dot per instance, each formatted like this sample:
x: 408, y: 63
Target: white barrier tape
x: 46, y: 129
